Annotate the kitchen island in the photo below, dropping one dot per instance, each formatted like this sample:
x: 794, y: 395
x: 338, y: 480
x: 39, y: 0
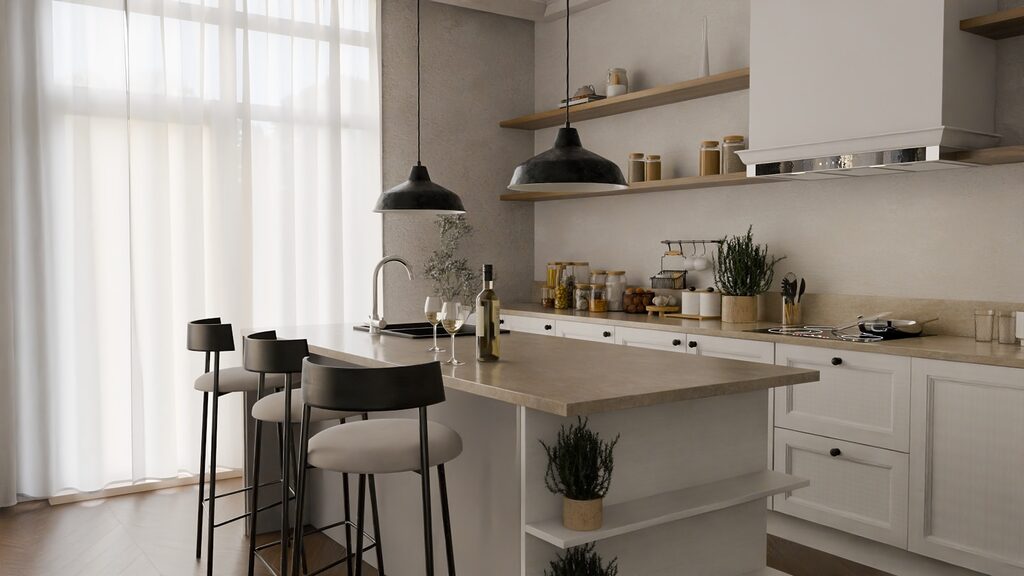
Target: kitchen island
x: 690, y: 480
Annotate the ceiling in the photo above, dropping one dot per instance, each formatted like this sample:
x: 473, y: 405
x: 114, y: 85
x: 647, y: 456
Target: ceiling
x: 536, y: 10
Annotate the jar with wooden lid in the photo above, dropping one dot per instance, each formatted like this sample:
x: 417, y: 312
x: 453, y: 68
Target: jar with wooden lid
x: 598, y: 298
x: 554, y: 270
x: 616, y: 286
x: 637, y: 167
x: 564, y: 289
x: 618, y: 82
x: 598, y: 276
x: 581, y: 270
x: 653, y: 165
x: 583, y: 292
x: 731, y: 162
x: 710, y: 158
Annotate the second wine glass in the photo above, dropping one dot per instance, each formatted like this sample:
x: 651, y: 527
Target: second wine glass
x: 453, y: 316
x: 431, y: 309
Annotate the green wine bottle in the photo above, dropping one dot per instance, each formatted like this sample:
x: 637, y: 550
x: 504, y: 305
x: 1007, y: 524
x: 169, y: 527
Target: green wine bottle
x: 488, y: 320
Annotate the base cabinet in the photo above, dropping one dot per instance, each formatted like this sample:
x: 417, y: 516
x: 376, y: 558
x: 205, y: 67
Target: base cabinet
x: 858, y: 489
x: 967, y: 465
x: 585, y: 331
x: 652, y: 339
x: 528, y: 324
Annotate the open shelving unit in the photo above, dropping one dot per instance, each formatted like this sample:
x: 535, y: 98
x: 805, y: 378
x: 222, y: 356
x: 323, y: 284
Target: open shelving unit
x: 666, y: 507
x: 997, y: 25
x: 658, y: 96
x: 993, y: 156
x: 687, y: 183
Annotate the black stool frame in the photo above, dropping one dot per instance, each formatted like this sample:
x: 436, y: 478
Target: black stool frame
x: 376, y: 390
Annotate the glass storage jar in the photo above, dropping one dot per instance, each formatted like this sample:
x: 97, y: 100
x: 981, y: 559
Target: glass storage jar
x: 547, y: 298
x: 583, y: 297
x: 581, y: 271
x: 710, y: 158
x: 598, y: 298
x: 637, y: 167
x: 616, y: 286
x: 554, y: 271
x: 731, y: 162
x: 565, y: 288
x: 598, y: 276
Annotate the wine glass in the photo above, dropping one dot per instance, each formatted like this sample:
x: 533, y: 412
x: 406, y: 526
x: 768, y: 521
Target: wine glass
x: 431, y: 309
x: 453, y: 316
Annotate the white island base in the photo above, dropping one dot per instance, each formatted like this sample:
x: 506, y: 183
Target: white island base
x: 687, y: 495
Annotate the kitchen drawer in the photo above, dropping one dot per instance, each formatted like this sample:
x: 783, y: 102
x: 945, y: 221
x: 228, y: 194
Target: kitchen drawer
x: 528, y: 324
x: 585, y: 331
x: 861, y: 397
x: 654, y: 339
x: 731, y: 348
x: 858, y: 489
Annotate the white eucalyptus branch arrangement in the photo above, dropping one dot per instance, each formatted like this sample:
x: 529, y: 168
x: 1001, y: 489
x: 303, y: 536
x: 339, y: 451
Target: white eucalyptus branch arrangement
x: 451, y: 275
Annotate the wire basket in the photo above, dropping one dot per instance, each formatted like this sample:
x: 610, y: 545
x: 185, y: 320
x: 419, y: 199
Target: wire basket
x: 669, y: 279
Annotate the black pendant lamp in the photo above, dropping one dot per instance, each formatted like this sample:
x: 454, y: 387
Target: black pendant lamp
x: 418, y: 193
x: 568, y: 166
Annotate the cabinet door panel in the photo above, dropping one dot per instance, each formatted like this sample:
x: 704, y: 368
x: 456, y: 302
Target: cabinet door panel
x: 861, y: 397
x: 861, y: 489
x: 528, y: 324
x: 967, y: 465
x: 731, y: 348
x: 585, y: 331
x: 653, y: 339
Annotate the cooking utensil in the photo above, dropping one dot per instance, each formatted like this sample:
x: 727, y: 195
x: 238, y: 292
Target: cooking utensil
x: 789, y: 287
x: 892, y: 328
x: 800, y: 292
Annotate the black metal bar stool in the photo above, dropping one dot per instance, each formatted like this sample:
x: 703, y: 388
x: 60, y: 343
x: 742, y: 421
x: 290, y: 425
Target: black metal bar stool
x: 267, y: 355
x: 381, y: 446
x: 212, y: 337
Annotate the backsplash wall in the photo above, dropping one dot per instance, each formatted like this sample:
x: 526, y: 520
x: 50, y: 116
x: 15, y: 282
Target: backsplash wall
x: 955, y: 234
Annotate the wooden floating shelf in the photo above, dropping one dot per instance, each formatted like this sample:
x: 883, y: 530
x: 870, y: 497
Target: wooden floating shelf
x: 659, y: 509
x: 997, y: 25
x: 658, y: 96
x: 992, y: 156
x: 687, y: 183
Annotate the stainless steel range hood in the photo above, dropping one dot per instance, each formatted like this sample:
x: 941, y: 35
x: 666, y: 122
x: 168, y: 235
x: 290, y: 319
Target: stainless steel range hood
x: 842, y: 89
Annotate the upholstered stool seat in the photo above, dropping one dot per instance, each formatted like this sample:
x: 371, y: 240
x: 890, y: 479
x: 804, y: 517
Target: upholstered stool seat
x: 238, y: 379
x: 270, y: 408
x: 381, y: 446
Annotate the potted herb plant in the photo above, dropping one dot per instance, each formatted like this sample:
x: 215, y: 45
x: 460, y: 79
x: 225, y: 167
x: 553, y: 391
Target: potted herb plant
x: 580, y: 469
x: 581, y: 561
x: 742, y: 271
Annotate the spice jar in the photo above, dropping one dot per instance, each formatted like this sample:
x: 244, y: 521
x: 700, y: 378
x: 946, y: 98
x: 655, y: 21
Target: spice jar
x: 565, y: 288
x: 710, y: 158
x: 637, y: 167
x: 615, y: 287
x: 731, y: 162
x: 583, y: 292
x: 653, y: 168
x: 598, y: 298
x: 617, y: 84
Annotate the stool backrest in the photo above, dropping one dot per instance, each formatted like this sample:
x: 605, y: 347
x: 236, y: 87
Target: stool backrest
x: 210, y: 335
x: 371, y: 389
x: 265, y: 352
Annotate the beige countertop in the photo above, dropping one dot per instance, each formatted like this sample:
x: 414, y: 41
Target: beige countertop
x: 556, y: 375
x: 952, y: 348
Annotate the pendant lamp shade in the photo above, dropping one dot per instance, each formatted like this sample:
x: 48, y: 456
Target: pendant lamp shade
x: 419, y: 194
x: 567, y: 167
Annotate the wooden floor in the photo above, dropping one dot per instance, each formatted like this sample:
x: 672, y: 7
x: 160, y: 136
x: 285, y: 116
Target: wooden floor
x: 150, y: 533
x: 153, y: 533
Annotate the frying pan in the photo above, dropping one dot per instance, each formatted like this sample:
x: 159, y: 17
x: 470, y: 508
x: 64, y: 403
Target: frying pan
x: 892, y: 329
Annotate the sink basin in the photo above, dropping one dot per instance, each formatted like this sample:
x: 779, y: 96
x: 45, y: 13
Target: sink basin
x: 420, y: 330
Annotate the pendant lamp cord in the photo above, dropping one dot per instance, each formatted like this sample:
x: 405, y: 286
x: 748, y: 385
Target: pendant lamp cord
x: 418, y: 129
x: 566, y: 63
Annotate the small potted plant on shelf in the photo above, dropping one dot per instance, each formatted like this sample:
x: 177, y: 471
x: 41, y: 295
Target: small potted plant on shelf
x: 581, y: 561
x: 580, y: 469
x: 742, y: 271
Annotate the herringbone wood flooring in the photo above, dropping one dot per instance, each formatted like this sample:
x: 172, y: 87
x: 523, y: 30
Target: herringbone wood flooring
x: 144, y: 534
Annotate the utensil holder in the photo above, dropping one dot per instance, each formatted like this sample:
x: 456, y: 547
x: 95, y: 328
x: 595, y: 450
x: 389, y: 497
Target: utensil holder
x: 791, y: 314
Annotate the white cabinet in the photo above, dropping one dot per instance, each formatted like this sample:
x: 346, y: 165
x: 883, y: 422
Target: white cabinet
x: 528, y: 324
x: 858, y: 489
x: 731, y: 348
x: 654, y: 339
x: 585, y: 331
x: 967, y: 465
x: 861, y: 397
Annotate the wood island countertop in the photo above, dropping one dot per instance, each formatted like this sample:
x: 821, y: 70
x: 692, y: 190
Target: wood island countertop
x: 558, y: 375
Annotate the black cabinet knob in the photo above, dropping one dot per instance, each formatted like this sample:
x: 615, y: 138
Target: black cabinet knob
x: 836, y: 361
x: 677, y: 342
x: 692, y: 343
x: 607, y: 334
x: 502, y: 321
x: 547, y: 326
x: 835, y: 452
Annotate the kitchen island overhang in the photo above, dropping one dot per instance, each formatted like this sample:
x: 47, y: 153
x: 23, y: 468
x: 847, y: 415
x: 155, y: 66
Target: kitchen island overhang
x: 691, y: 475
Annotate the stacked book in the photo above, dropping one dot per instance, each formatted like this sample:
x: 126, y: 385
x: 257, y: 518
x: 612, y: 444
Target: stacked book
x: 583, y: 99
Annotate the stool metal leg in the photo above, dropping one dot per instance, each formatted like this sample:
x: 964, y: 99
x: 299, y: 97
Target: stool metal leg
x: 348, y: 518
x: 300, y: 490
x: 213, y: 464
x: 376, y: 526
x: 446, y: 520
x: 202, y: 475
x: 360, y: 527
x: 428, y: 535
x: 255, y: 506
x: 285, y: 474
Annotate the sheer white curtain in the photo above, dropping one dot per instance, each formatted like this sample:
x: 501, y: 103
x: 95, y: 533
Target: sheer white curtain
x: 165, y: 160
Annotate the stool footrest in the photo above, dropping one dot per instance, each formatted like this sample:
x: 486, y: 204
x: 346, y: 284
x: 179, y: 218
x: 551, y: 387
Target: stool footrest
x: 244, y: 489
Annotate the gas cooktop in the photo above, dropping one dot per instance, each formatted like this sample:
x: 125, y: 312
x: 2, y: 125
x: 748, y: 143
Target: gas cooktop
x: 821, y: 333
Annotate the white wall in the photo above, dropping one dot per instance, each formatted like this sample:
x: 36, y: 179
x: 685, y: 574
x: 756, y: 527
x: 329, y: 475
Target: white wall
x: 954, y: 234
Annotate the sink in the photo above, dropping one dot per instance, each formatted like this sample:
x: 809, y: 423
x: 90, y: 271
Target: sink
x: 420, y: 330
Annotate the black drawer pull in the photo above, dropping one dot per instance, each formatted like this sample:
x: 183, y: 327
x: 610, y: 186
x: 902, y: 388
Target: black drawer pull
x: 607, y: 334
x: 835, y: 452
x: 677, y: 342
x: 502, y: 321
x: 692, y: 343
x: 836, y: 361
x: 547, y: 326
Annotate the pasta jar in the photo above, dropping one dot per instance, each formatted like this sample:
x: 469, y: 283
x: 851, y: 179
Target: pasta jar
x: 598, y: 298
x: 615, y: 288
x: 583, y: 292
x: 554, y: 270
x: 565, y: 288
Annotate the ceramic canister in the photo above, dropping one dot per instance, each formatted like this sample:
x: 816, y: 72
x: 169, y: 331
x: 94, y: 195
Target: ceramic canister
x: 711, y: 303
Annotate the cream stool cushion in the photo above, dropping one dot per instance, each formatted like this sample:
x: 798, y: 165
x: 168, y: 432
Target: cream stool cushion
x: 270, y: 408
x: 381, y: 446
x: 239, y: 379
